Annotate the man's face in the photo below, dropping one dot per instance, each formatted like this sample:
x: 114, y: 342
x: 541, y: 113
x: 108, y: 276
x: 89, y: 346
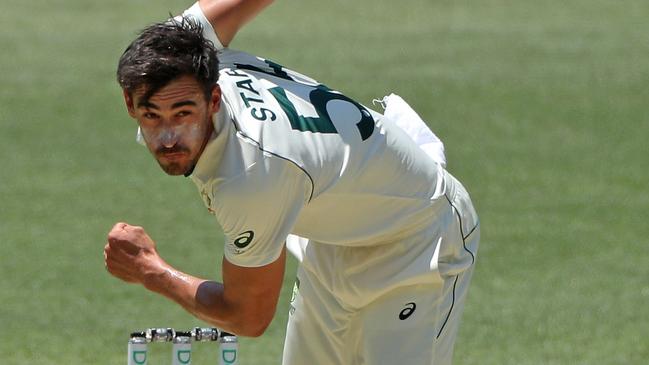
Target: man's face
x: 176, y: 122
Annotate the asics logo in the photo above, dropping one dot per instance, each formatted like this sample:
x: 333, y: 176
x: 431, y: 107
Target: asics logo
x: 407, y: 311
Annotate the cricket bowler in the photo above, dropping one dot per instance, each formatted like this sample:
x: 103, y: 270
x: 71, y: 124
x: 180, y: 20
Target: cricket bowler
x: 386, y: 237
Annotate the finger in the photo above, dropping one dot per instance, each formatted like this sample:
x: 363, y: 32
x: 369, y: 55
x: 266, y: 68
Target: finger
x: 123, y: 241
x: 113, y: 259
x: 127, y: 247
x: 122, y: 225
x: 116, y: 267
x: 116, y: 240
x: 116, y: 235
x: 134, y: 232
x: 119, y: 268
x: 118, y: 253
x: 119, y: 226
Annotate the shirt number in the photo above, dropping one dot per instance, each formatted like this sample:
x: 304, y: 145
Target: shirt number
x: 318, y: 97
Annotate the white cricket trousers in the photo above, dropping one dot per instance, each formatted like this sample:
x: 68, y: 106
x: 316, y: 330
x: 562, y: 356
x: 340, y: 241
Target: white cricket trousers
x: 364, y: 306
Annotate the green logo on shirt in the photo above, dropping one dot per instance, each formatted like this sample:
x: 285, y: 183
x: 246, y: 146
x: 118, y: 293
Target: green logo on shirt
x: 244, y: 239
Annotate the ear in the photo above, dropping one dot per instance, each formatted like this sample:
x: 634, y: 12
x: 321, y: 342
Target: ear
x: 215, y: 100
x: 128, y: 99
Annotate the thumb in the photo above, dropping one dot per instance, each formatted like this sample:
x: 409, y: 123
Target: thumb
x: 117, y: 231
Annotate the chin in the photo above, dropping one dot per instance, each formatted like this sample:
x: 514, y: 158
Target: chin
x: 175, y: 169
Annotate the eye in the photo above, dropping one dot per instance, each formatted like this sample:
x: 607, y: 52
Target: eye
x: 149, y: 115
x: 183, y: 113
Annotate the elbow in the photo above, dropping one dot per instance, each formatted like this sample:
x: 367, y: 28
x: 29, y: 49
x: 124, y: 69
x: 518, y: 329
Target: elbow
x: 244, y: 322
x: 254, y: 330
x: 252, y: 326
x: 241, y: 327
x: 250, y: 317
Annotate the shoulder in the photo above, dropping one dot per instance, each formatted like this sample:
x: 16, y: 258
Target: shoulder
x: 196, y: 13
x: 264, y: 180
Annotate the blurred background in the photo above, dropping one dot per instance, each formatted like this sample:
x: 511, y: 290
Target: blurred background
x: 543, y: 107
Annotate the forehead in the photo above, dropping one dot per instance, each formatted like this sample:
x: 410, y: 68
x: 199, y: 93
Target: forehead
x: 182, y: 88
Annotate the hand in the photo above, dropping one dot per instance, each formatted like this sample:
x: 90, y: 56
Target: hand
x: 130, y: 254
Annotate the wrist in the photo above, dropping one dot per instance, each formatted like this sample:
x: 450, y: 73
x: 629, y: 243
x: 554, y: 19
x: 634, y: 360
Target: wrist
x: 164, y: 279
x: 154, y: 277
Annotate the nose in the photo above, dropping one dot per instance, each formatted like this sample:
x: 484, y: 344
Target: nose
x: 169, y: 137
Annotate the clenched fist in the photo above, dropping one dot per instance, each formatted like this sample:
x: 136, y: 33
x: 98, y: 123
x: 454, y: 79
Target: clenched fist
x: 131, y: 254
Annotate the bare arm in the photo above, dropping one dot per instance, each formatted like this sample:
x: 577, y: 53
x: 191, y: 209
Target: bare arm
x: 243, y: 304
x: 228, y: 16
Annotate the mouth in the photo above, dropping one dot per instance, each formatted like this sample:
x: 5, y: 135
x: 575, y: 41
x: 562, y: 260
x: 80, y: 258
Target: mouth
x: 173, y: 155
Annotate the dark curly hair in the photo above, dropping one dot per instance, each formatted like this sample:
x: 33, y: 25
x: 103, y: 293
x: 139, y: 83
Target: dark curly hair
x: 165, y: 51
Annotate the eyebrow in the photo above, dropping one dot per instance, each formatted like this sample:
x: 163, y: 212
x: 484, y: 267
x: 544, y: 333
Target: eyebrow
x: 146, y: 104
x: 183, y: 103
x: 150, y: 105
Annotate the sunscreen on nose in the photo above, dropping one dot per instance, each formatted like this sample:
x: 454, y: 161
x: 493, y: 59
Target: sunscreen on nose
x: 169, y: 137
x: 187, y: 134
x: 166, y: 137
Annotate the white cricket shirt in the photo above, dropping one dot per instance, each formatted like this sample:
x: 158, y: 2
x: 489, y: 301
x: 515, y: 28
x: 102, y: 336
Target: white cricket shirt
x: 292, y: 156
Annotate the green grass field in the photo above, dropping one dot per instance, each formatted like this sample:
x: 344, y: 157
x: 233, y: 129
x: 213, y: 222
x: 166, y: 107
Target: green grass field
x: 543, y: 107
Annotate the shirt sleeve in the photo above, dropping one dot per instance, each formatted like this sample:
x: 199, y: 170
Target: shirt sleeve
x: 197, y: 14
x: 397, y: 110
x: 258, y: 209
